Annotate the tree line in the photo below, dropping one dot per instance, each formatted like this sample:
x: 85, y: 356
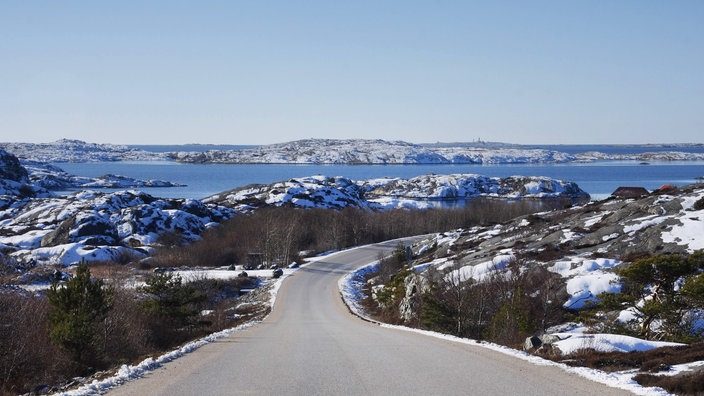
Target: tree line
x: 281, y: 234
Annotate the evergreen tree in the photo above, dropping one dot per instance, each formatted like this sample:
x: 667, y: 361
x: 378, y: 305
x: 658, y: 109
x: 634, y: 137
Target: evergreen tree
x: 651, y: 286
x: 174, y: 307
x: 171, y: 298
x: 75, y: 309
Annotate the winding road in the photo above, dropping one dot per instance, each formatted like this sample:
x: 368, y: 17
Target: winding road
x: 311, y: 345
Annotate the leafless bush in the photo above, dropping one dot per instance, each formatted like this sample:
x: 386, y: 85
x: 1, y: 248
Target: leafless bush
x: 279, y: 233
x: 682, y: 384
x: 645, y: 361
x: 123, y: 333
x: 27, y: 357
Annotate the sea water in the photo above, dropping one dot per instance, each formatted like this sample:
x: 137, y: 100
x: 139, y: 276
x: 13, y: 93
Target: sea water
x: 599, y: 179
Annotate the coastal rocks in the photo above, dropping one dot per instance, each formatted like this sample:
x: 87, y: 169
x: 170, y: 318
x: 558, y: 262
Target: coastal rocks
x: 341, y: 151
x: 390, y: 193
x: 99, y: 226
x: 52, y: 177
x: 307, y: 192
x: 10, y: 168
x: 14, y: 181
x: 466, y: 186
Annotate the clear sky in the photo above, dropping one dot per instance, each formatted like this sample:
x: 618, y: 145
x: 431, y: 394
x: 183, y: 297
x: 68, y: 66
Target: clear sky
x: 258, y: 72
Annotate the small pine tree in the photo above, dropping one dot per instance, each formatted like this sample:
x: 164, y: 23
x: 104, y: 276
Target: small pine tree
x: 171, y: 298
x: 174, y: 305
x: 75, y: 309
x: 651, y: 287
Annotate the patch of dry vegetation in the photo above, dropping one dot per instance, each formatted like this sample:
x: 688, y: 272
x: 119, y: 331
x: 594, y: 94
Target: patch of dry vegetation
x: 648, y: 363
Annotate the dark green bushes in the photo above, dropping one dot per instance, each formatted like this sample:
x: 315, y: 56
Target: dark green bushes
x: 75, y: 311
x: 138, y: 323
x: 699, y: 204
x: 173, y: 307
x: 661, y: 289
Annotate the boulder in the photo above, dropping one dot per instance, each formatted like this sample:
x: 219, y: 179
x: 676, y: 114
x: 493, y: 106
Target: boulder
x: 540, y: 343
x: 10, y: 168
x: 415, y: 285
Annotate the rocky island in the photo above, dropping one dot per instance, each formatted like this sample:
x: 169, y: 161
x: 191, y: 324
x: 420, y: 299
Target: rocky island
x: 340, y: 151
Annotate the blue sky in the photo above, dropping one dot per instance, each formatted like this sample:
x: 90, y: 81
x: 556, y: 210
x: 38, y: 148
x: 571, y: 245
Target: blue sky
x: 258, y: 72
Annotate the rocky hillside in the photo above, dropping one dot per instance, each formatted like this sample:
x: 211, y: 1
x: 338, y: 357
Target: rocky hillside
x: 98, y: 226
x: 363, y: 151
x: 582, y: 244
x: 52, y: 177
x: 71, y: 150
x: 389, y: 193
x: 15, y: 181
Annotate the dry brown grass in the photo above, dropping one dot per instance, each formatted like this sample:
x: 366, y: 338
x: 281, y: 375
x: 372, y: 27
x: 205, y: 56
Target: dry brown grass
x: 682, y: 384
x: 653, y: 359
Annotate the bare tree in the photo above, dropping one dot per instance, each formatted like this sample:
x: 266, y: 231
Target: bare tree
x: 458, y: 282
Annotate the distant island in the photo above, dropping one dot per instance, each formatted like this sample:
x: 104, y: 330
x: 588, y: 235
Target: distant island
x: 344, y: 152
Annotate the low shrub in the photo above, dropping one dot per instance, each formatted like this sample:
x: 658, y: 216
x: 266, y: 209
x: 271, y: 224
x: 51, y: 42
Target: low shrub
x: 28, y: 359
x: 683, y: 384
x: 699, y: 204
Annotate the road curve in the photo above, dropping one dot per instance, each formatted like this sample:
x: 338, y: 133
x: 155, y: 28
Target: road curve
x: 311, y: 345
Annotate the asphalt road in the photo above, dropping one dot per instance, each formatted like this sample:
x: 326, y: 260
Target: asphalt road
x: 312, y: 345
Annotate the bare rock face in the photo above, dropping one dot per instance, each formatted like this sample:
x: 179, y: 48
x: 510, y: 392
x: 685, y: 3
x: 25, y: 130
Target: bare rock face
x: 10, y: 168
x: 59, y: 236
x: 15, y: 184
x: 540, y: 343
x: 415, y: 285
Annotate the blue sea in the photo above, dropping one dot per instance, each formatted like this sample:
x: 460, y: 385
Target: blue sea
x: 599, y: 179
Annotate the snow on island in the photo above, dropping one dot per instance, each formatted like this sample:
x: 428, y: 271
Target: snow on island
x: 52, y: 177
x: 71, y: 150
x: 338, y: 151
x: 390, y: 193
x: 367, y: 151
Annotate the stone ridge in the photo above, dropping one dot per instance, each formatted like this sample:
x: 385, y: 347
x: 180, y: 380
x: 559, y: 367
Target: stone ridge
x: 389, y: 193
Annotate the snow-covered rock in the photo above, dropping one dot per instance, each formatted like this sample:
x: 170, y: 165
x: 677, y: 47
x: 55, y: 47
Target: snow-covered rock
x: 643, y: 157
x: 365, y: 151
x: 584, y: 245
x: 389, y: 193
x: 53, y: 177
x: 69, y: 150
x: 339, y: 151
x: 573, y: 342
x: 305, y: 192
x: 99, y: 226
x: 465, y: 186
x: 14, y: 181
